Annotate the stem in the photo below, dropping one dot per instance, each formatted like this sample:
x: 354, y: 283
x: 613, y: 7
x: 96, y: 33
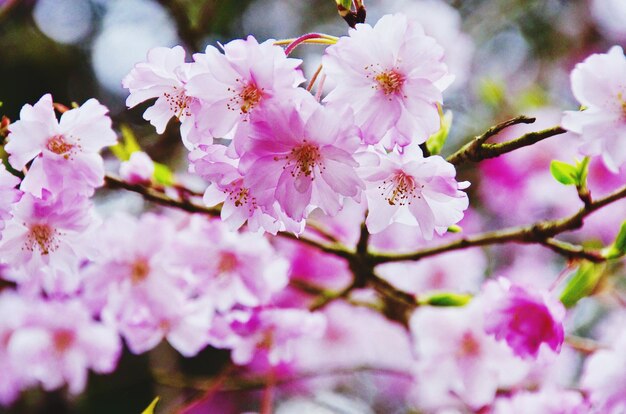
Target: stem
x: 315, y: 38
x: 541, y: 233
x: 268, y: 394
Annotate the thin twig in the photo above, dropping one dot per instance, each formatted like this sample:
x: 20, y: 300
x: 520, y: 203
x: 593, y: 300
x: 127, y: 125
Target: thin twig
x: 541, y: 233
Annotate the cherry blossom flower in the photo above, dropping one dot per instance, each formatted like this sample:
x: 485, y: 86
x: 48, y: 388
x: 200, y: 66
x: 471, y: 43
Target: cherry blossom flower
x: 13, y: 309
x: 65, y: 152
x: 410, y: 189
x: 8, y: 195
x: 239, y: 82
x: 270, y: 334
x: 47, y: 239
x: 55, y: 350
x: 545, y: 401
x: 136, y: 286
x: 241, y: 269
x: 139, y: 168
x: 457, y: 362
x: 604, y: 376
x: 599, y: 83
x: 392, y: 76
x: 301, y: 161
x: 164, y: 75
x: 524, y: 318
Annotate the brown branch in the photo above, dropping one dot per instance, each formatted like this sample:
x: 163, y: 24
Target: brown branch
x: 159, y: 197
x: 477, y: 150
x: 541, y: 233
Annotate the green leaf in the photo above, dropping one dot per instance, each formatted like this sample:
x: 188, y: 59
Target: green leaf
x: 582, y: 168
x: 564, y: 173
x: 130, y: 142
x: 582, y: 284
x: 455, y: 229
x: 436, y: 141
x: 163, y: 175
x: 119, y: 151
x: 492, y: 92
x: 618, y: 248
x: 151, y: 407
x: 446, y: 299
x: 345, y: 4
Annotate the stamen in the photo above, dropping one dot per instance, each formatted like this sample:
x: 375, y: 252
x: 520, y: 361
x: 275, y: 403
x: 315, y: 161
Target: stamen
x: 62, y: 339
x: 401, y: 189
x: 245, y: 99
x: 139, y: 270
x: 305, y: 157
x: 179, y: 102
x: 390, y: 82
x: 43, y: 238
x: 58, y: 145
x: 228, y: 262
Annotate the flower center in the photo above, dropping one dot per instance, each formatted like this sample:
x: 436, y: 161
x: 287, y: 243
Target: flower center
x: 622, y: 101
x: 390, y: 82
x: 246, y: 99
x: 469, y: 346
x: 400, y: 190
x: 58, y: 145
x: 179, y: 102
x: 139, y: 270
x: 42, y: 237
x: 62, y: 340
x: 228, y: 262
x: 305, y: 157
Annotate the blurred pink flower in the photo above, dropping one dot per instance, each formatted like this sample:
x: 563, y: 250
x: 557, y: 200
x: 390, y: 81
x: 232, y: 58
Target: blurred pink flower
x: 54, y: 350
x: 65, y: 152
x: 138, y: 169
x: 544, y: 401
x: 599, y: 84
x: 410, y: 189
x: 392, y: 76
x: 524, y: 318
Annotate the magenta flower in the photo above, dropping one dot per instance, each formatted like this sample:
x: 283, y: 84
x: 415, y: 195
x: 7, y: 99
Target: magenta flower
x: 65, y: 152
x: 303, y: 161
x: 46, y: 240
x: 599, y: 83
x: 410, y: 189
x: 392, y: 76
x: 239, y: 82
x: 59, y: 342
x: 525, y: 319
x: 8, y: 195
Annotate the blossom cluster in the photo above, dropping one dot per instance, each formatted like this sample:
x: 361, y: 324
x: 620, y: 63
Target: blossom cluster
x: 85, y: 286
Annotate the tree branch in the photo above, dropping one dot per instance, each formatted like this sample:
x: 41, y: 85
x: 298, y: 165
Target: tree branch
x: 541, y: 233
x: 477, y: 150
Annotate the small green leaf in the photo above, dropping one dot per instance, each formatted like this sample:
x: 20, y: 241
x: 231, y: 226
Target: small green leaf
x: 163, y: 175
x: 151, y: 407
x: 446, y: 299
x: 582, y: 284
x: 119, y: 151
x: 455, y: 229
x: 582, y: 172
x: 436, y: 141
x: 492, y: 92
x: 344, y: 4
x: 130, y: 142
x: 564, y: 173
x: 618, y: 248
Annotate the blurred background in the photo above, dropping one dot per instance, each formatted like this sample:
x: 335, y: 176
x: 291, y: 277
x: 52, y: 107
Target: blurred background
x: 509, y: 57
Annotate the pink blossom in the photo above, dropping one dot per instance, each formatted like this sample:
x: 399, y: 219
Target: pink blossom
x: 138, y: 169
x: 137, y: 285
x: 239, y: 82
x: 240, y: 269
x: 599, y: 83
x: 164, y: 76
x: 525, y: 319
x: 270, y: 334
x: 13, y: 309
x: 303, y: 161
x: 8, y: 195
x: 65, y: 152
x: 59, y: 341
x: 46, y: 240
x: 239, y: 202
x: 410, y: 189
x: 458, y: 364
x: 392, y: 76
x: 604, y: 377
x: 544, y: 401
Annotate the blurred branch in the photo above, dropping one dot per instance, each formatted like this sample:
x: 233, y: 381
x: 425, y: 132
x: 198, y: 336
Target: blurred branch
x: 478, y: 150
x: 541, y: 233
